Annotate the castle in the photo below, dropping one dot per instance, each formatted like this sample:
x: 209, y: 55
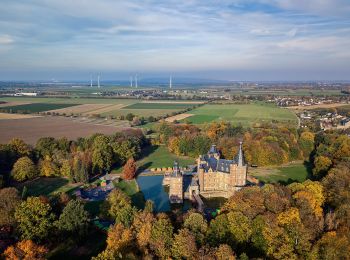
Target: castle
x: 215, y: 177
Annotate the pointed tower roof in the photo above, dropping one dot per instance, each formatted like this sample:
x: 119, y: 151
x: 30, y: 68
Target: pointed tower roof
x: 176, y: 169
x: 240, y: 160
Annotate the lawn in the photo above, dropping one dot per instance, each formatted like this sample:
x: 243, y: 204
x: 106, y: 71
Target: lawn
x: 245, y: 114
x: 131, y: 188
x: 284, y: 174
x: 47, y: 186
x: 35, y: 107
x: 159, y: 157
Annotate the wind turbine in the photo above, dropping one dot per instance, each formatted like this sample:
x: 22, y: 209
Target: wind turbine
x: 98, y: 80
x: 131, y: 81
x: 136, y: 81
x: 170, y: 82
x: 90, y: 81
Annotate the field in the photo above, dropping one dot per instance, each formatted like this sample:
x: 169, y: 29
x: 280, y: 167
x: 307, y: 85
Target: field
x: 159, y: 106
x: 31, y: 129
x: 298, y: 172
x: 96, y: 106
x: 245, y: 114
x: 178, y: 117
x: 35, y: 107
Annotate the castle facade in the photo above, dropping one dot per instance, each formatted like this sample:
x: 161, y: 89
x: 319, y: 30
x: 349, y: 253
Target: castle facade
x: 215, y: 177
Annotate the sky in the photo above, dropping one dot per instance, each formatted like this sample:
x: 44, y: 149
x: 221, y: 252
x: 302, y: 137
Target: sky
x: 230, y: 40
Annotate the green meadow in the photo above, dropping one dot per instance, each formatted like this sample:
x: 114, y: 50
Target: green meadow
x: 245, y: 114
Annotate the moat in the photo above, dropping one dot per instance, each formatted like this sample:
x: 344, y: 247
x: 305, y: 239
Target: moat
x: 152, y: 189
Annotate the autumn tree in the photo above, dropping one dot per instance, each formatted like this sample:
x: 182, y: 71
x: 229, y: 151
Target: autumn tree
x: 48, y: 168
x: 9, y: 200
x: 184, y: 245
x: 322, y: 165
x: 34, y: 218
x: 224, y: 252
x: 26, y: 250
x: 129, y: 169
x: 20, y: 148
x: 23, y: 169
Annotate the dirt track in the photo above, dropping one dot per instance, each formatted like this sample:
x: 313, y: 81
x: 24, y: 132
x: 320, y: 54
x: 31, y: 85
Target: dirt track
x: 177, y: 117
x: 31, y: 129
x: 4, y: 116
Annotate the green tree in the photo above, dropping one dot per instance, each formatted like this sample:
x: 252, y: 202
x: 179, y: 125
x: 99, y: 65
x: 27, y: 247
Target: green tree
x: 74, y: 218
x: 34, y: 219
x: 118, y: 207
x: 24, y: 169
x: 161, y: 236
x: 102, y: 153
x: 46, y: 146
x: 9, y: 200
x: 239, y: 227
x: 197, y: 224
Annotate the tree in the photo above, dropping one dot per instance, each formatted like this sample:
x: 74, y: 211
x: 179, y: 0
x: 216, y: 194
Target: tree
x: 23, y: 169
x: 161, y: 236
x: 239, y: 227
x: 48, y: 168
x: 149, y: 206
x: 322, y: 165
x: 74, y: 218
x: 118, y: 207
x: 224, y: 252
x: 119, y: 239
x: 102, y: 153
x: 26, y: 250
x: 129, y: 169
x: 66, y: 169
x: 46, y: 146
x: 9, y: 200
x: 20, y: 148
x: 196, y: 223
x: 184, y: 245
x: 129, y: 116
x: 34, y: 218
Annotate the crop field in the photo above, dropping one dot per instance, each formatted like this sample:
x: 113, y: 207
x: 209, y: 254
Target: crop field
x: 97, y: 106
x: 35, y: 107
x: 245, y: 114
x: 159, y: 106
x: 31, y: 129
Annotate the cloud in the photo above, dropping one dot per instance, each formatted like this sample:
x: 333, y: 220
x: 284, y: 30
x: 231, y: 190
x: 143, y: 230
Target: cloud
x: 6, y: 39
x: 96, y: 35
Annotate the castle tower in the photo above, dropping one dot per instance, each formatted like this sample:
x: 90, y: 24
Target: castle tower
x: 176, y: 192
x: 238, y: 170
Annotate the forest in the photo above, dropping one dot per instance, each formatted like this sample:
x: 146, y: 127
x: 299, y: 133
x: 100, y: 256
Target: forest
x: 308, y: 220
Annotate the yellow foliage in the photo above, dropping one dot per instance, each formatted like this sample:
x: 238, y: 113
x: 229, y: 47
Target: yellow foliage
x: 289, y: 217
x: 25, y: 250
